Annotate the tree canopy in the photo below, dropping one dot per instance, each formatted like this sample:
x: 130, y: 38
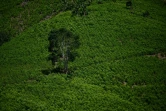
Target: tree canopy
x: 62, y: 45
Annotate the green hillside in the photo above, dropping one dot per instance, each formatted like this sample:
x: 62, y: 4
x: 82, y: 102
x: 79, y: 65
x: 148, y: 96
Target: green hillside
x: 18, y: 15
x: 121, y: 64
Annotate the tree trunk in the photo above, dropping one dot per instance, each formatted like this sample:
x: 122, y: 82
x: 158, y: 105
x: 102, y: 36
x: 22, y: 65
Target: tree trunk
x: 66, y: 62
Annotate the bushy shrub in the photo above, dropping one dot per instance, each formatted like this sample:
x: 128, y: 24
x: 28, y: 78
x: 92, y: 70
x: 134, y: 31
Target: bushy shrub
x: 80, y: 7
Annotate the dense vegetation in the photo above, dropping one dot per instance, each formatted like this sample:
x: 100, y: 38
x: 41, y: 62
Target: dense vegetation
x: 26, y: 13
x: 121, y: 63
x: 62, y: 46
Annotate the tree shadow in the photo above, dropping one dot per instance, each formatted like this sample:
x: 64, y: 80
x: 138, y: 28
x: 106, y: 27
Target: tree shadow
x: 46, y: 71
x: 50, y: 71
x: 4, y: 37
x: 70, y: 73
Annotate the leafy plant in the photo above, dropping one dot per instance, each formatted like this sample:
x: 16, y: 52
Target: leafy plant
x: 80, y: 7
x: 62, y: 45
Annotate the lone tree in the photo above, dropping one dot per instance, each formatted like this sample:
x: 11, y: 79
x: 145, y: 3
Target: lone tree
x: 62, y: 45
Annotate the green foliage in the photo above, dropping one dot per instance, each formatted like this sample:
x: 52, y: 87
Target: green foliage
x: 27, y: 13
x: 121, y: 64
x: 80, y: 7
x: 62, y: 45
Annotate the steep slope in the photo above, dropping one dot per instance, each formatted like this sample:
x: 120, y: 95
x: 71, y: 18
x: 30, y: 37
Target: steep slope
x: 117, y: 67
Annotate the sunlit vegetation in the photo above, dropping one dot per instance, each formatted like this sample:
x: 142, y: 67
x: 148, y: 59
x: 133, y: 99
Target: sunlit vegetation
x: 121, y: 64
